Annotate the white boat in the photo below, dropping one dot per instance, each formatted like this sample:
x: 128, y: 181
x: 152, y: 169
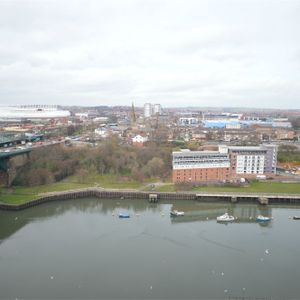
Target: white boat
x: 124, y: 215
x: 225, y: 218
x: 176, y: 213
x: 261, y: 218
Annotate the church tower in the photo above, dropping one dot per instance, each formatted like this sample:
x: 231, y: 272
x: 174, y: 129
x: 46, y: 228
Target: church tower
x: 132, y: 115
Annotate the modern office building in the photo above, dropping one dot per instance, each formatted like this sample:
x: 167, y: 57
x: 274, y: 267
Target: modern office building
x: 229, y: 163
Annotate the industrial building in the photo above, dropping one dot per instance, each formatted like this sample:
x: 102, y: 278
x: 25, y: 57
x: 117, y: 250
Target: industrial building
x: 188, y: 121
x: 233, y: 123
x: 229, y: 163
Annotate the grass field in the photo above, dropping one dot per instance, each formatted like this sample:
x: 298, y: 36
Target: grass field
x: 257, y: 187
x: 18, y: 195
x: 254, y: 187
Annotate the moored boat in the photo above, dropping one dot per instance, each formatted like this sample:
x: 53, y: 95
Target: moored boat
x: 124, y: 216
x: 225, y: 218
x: 262, y: 218
x: 176, y: 213
x: 296, y: 217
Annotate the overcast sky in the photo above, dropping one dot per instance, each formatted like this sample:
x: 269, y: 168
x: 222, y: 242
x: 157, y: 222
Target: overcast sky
x: 177, y: 53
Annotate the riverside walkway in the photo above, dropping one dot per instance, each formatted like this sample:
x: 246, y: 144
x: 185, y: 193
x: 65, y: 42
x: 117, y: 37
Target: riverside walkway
x: 261, y: 198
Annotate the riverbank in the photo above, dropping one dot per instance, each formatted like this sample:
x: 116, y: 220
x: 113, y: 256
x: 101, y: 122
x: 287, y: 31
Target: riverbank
x: 20, y: 195
x: 155, y: 197
x: 252, y: 187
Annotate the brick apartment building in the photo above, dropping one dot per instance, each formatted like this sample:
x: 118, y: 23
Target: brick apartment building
x: 229, y: 163
x: 200, y: 166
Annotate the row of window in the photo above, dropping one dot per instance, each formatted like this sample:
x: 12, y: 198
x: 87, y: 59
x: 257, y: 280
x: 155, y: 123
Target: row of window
x: 205, y: 161
x: 200, y: 157
x: 200, y: 177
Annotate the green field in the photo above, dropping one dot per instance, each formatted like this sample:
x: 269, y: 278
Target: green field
x: 18, y: 195
x: 254, y: 187
x: 257, y: 187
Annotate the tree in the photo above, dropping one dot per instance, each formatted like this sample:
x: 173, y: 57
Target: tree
x: 296, y: 123
x: 39, y: 177
x: 154, y: 167
x: 137, y: 174
x: 82, y: 175
x: 112, y: 119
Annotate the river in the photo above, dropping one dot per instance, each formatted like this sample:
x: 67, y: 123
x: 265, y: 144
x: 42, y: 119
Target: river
x: 80, y: 249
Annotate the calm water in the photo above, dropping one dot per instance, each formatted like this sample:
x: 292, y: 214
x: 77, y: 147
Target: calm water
x: 81, y: 249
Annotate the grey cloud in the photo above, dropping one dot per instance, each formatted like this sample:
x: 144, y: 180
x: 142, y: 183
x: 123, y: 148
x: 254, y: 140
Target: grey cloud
x: 196, y: 52
x: 296, y: 55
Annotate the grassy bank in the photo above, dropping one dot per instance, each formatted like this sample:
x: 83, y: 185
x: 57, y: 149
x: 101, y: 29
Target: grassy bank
x: 18, y: 195
x: 257, y: 187
x: 254, y: 187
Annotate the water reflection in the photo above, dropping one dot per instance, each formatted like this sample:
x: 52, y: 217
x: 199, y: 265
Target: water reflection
x: 244, y: 213
x: 81, y: 249
x: 11, y: 222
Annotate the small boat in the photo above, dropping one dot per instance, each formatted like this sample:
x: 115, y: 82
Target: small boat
x: 261, y: 218
x: 225, y: 218
x: 176, y: 213
x: 124, y: 215
x: 296, y: 217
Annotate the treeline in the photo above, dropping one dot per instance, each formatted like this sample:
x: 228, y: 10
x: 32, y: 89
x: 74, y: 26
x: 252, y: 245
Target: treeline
x: 296, y: 123
x: 288, y: 153
x: 52, y: 164
x: 48, y: 165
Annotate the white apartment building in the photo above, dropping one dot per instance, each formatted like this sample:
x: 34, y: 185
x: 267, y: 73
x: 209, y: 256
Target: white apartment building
x: 152, y: 110
x: 250, y: 164
x: 251, y: 160
x: 157, y: 109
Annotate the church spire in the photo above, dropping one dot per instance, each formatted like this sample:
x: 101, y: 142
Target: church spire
x: 133, y: 116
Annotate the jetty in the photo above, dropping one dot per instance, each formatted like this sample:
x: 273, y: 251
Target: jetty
x: 263, y: 199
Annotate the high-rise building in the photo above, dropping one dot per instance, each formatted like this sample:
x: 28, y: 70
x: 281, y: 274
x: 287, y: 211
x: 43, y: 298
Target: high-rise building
x: 152, y: 110
x: 157, y: 109
x: 147, y: 110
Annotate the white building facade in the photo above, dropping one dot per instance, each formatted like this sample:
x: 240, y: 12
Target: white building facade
x: 252, y: 160
x: 152, y: 110
x: 147, y: 110
x: 157, y: 109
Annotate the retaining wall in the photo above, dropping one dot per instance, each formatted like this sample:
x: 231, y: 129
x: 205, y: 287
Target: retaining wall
x: 99, y: 193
